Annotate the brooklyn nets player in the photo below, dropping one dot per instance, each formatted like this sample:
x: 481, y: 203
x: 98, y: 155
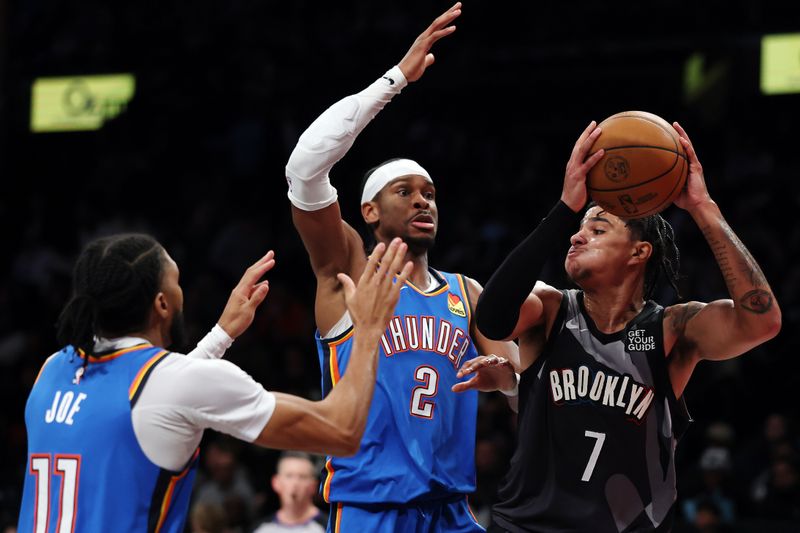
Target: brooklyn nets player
x: 603, y: 369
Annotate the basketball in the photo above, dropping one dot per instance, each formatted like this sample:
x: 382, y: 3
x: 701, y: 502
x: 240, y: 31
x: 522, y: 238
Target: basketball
x: 644, y: 166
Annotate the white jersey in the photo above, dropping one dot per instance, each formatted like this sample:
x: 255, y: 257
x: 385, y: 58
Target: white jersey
x: 185, y: 394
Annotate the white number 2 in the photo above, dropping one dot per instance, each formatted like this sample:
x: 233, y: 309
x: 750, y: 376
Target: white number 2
x: 68, y: 467
x: 421, y: 405
x: 598, y: 445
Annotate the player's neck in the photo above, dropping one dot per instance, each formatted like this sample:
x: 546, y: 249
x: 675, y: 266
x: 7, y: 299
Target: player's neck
x: 612, y: 308
x: 294, y: 515
x: 419, y: 276
x: 152, y: 335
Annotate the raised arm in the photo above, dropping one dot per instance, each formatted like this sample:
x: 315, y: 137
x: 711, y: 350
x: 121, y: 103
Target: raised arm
x: 509, y: 304
x: 239, y: 312
x: 336, y: 424
x: 721, y: 329
x: 331, y: 243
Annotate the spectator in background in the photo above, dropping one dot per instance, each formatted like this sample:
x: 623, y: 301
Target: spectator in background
x: 715, y: 466
x: 754, y: 457
x: 781, y: 498
x: 227, y: 485
x: 295, y: 482
x: 207, y: 518
x: 708, y: 519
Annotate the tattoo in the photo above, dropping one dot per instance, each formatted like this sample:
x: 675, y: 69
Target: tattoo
x: 741, y: 272
x: 720, y: 250
x: 680, y: 316
x: 757, y: 301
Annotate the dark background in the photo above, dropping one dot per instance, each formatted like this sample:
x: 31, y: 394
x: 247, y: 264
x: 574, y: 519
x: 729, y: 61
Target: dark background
x: 223, y: 91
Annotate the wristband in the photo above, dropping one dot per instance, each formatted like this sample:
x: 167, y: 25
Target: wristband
x: 216, y: 342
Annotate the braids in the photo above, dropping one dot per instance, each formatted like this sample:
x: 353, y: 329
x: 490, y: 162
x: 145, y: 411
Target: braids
x: 665, y: 260
x: 115, y: 281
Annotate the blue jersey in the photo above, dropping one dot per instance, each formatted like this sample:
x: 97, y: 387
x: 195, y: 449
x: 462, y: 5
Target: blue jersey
x: 419, y: 441
x: 86, y: 471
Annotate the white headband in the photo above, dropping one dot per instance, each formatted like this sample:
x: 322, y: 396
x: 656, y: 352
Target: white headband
x: 392, y: 170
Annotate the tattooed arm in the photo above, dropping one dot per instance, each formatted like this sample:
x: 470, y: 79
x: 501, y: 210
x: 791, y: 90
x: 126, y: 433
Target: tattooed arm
x: 721, y: 329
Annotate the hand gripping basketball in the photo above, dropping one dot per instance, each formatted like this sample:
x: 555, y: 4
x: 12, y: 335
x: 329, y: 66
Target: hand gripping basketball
x: 643, y: 168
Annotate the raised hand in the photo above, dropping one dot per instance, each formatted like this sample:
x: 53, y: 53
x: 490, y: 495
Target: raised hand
x: 491, y: 373
x: 418, y: 57
x: 574, y: 193
x: 695, y: 192
x: 372, y: 303
x: 246, y: 297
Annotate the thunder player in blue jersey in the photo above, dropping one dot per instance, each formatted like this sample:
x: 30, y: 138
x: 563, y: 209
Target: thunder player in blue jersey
x: 114, y: 420
x: 415, y: 465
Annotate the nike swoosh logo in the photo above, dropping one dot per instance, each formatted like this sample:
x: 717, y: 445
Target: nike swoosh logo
x: 403, y: 287
x: 391, y: 81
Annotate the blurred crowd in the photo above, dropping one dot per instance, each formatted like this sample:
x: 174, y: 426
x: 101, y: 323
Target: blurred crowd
x: 224, y: 91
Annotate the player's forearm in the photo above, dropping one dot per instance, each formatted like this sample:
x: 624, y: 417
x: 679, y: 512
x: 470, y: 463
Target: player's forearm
x: 349, y: 402
x: 753, y: 298
x: 498, y: 308
x: 330, y: 136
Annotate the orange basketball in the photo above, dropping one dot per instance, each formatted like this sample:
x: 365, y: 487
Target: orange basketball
x: 644, y: 166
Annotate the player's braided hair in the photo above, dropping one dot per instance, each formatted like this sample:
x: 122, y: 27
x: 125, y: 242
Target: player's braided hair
x: 665, y: 260
x: 115, y: 281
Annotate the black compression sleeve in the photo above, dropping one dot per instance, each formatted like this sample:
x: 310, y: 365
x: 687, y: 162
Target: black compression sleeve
x: 498, y: 307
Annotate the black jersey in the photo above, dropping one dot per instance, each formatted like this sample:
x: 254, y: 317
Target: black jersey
x: 598, y: 426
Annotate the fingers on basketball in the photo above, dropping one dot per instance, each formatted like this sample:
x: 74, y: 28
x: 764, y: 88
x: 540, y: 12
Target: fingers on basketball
x: 644, y: 166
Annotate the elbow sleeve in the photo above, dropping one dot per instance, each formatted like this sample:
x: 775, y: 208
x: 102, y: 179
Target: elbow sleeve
x: 330, y: 136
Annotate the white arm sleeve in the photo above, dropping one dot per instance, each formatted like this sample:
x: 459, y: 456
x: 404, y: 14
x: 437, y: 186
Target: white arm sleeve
x: 213, y: 345
x: 329, y: 138
x: 183, y: 396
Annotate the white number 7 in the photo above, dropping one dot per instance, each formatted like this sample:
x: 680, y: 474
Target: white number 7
x: 598, y: 445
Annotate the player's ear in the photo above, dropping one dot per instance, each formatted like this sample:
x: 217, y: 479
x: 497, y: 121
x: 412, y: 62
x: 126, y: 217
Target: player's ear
x: 370, y: 212
x: 160, y: 305
x: 642, y: 250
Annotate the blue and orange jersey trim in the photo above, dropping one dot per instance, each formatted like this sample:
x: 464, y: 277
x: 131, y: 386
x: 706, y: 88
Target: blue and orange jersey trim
x: 466, y: 497
x: 331, y: 375
x: 335, y: 519
x: 326, y: 487
x: 141, y: 377
x: 445, y: 285
x: 113, y: 355
x: 163, y: 494
x: 463, y: 284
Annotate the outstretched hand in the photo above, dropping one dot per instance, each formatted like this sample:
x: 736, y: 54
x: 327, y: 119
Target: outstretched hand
x: 371, y: 304
x: 246, y: 297
x: 695, y: 192
x: 491, y: 373
x: 418, y: 57
x: 574, y: 193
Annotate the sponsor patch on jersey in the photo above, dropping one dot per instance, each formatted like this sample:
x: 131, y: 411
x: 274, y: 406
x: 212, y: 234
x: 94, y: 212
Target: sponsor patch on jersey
x: 640, y: 341
x: 455, y: 305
